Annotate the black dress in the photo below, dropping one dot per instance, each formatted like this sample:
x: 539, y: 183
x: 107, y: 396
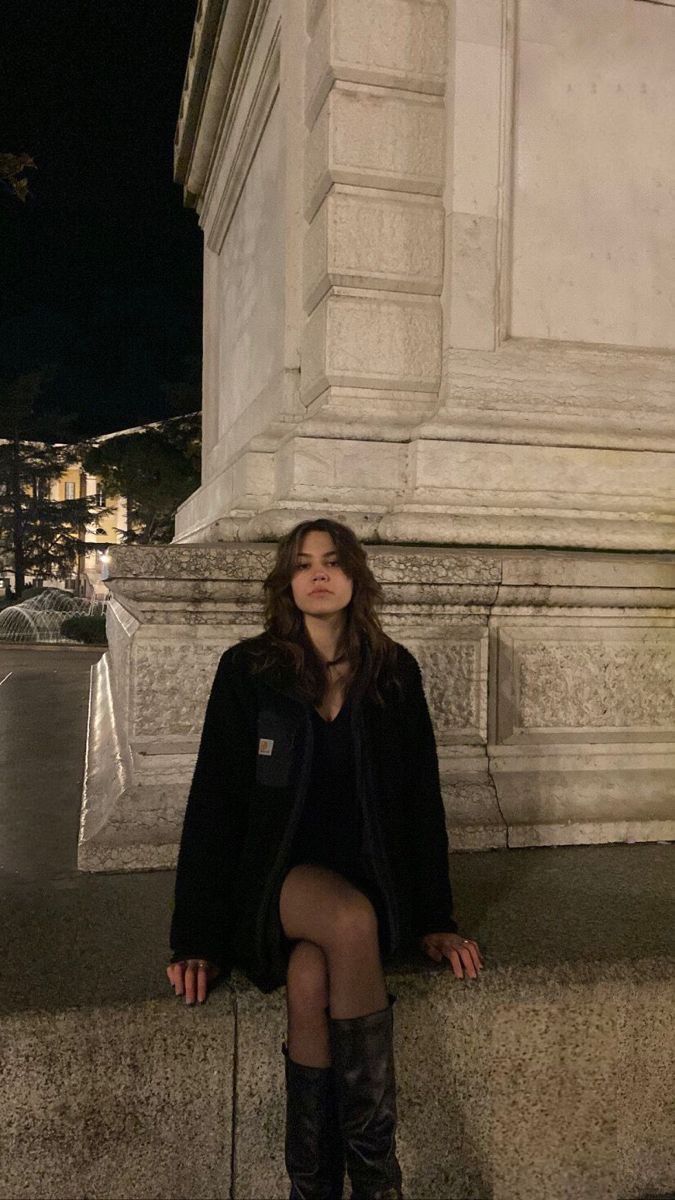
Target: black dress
x: 330, y: 831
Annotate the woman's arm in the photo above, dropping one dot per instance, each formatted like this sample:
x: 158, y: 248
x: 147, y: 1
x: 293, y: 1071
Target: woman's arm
x: 432, y: 891
x: 214, y: 826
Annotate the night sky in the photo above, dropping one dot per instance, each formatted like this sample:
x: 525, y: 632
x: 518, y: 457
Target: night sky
x: 101, y: 267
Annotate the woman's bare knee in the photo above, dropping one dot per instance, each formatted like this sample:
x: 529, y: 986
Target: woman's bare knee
x: 307, y: 978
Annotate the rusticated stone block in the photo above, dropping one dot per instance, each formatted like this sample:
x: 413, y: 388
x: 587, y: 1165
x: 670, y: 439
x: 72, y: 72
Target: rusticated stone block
x: 198, y: 562
x: 366, y: 339
x: 393, y: 43
x: 433, y: 567
x: 376, y: 137
x: 374, y: 239
x: 455, y: 674
x: 599, y: 686
x: 171, y: 684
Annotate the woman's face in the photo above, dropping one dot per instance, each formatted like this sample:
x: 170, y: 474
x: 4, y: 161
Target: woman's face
x: 320, y: 587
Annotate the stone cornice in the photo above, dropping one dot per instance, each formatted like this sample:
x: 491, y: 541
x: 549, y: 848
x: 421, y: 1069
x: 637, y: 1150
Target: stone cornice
x: 248, y: 108
x: 507, y: 576
x: 215, y: 53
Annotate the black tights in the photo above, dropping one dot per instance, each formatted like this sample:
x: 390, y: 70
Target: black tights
x: 336, y: 962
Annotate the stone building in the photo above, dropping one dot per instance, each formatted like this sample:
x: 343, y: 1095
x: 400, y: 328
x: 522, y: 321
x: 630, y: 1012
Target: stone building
x: 439, y: 304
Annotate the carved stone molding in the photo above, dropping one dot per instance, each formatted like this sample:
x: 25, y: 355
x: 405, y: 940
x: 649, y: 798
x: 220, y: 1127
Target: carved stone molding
x: 243, y: 124
x: 213, y: 62
x: 587, y: 681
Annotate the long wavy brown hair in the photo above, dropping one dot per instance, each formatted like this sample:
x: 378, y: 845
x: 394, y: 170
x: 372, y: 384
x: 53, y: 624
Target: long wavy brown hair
x: 370, y: 652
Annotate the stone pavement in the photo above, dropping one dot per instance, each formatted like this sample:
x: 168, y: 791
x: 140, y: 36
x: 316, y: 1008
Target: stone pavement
x: 66, y: 938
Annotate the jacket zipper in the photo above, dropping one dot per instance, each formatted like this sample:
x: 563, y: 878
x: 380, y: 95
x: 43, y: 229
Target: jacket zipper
x: 287, y: 839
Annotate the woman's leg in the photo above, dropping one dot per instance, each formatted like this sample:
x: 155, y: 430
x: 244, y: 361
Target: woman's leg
x: 338, y: 958
x: 314, y: 1153
x: 306, y: 1001
x: 319, y: 905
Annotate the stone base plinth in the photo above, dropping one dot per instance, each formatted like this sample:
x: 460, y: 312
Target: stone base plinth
x: 550, y: 676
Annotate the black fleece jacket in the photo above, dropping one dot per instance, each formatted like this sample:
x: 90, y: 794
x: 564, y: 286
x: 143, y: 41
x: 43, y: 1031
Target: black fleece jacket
x: 247, y: 794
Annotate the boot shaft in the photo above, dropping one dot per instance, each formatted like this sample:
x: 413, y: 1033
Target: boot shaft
x: 314, y: 1153
x: 365, y: 1081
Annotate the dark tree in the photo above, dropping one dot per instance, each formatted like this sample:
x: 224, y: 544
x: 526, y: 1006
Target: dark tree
x: 44, y: 536
x: 12, y: 179
x: 155, y: 470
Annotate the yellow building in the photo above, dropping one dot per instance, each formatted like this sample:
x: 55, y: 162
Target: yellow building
x: 87, y: 578
x: 73, y: 484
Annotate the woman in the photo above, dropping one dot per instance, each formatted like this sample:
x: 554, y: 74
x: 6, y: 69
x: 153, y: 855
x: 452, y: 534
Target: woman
x: 314, y: 847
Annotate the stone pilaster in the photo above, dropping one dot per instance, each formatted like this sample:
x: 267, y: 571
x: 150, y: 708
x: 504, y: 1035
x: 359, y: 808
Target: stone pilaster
x: 372, y: 257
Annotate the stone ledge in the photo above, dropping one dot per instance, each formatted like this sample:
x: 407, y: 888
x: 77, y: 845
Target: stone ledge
x: 528, y: 1082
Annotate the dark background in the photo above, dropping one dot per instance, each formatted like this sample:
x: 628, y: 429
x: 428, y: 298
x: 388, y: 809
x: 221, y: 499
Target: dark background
x: 101, y: 267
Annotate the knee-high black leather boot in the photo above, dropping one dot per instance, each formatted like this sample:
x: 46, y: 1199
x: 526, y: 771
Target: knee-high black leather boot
x: 314, y: 1153
x: 363, y: 1060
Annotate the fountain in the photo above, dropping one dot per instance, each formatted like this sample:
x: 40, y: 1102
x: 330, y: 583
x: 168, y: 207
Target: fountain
x: 39, y: 618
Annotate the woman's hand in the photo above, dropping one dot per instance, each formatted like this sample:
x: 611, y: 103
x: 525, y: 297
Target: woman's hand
x: 459, y: 950
x: 192, y: 976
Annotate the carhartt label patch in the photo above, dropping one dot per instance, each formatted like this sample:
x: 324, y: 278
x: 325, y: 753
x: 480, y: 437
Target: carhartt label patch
x: 276, y: 739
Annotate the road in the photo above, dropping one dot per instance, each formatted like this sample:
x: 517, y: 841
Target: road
x: 66, y: 937
x: 44, y: 694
